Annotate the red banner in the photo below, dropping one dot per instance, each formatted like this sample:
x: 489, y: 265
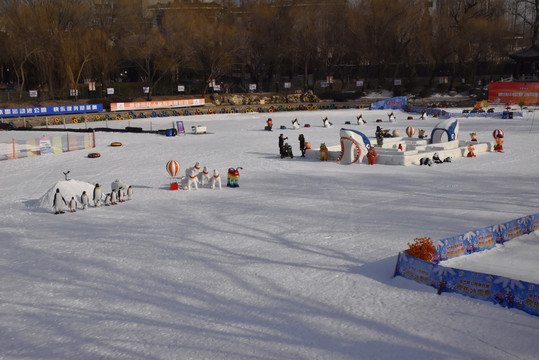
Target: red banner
x: 146, y: 105
x: 514, y: 92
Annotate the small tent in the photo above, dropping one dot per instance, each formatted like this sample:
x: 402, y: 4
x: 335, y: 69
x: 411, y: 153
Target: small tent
x: 446, y: 130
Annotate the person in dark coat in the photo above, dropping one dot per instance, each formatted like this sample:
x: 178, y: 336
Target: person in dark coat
x: 379, y: 136
x: 301, y: 139
x: 281, y: 144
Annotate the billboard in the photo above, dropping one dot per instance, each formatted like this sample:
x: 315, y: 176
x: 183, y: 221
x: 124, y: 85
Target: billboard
x: 514, y: 92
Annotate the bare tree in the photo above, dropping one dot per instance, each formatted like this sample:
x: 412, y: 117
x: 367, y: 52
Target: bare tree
x: 528, y: 12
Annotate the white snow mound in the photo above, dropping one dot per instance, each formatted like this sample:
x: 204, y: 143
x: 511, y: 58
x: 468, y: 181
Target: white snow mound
x: 68, y: 189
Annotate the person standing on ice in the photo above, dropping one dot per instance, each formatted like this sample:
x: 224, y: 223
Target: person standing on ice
x: 98, y: 194
x: 73, y: 204
x: 84, y: 200
x: 58, y: 203
x: 129, y: 193
x: 281, y: 143
x: 301, y: 139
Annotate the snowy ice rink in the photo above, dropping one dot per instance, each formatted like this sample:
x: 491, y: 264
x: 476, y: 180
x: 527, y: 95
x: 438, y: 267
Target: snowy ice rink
x: 296, y: 263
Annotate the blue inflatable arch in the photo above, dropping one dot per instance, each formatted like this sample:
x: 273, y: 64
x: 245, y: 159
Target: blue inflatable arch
x: 447, y: 130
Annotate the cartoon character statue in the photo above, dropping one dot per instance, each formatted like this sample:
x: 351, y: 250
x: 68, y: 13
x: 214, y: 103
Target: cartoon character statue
x: 471, y: 150
x: 371, y: 155
x: 473, y: 135
x: 421, y: 133
x: 204, y: 176
x: 215, y: 181
x: 269, y: 123
x: 323, y: 152
x: 498, y: 137
x: 190, y: 180
x: 233, y: 177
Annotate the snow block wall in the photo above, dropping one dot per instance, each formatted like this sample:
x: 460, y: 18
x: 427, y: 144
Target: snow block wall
x: 500, y: 290
x: 393, y: 103
x: 46, y: 145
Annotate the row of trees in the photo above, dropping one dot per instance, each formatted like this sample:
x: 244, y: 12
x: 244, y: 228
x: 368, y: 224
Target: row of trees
x: 53, y: 45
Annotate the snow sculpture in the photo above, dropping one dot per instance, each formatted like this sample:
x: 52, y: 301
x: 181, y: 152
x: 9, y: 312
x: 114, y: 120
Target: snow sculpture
x: 353, y: 146
x: 449, y: 127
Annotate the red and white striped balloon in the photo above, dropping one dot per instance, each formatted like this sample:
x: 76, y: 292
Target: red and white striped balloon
x: 497, y: 133
x: 172, y: 167
x: 410, y: 131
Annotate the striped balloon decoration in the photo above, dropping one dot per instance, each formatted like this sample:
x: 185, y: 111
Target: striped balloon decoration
x: 497, y: 133
x: 172, y: 167
x: 410, y: 131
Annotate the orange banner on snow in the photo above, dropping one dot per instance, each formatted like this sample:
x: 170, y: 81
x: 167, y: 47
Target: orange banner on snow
x: 514, y: 92
x: 146, y: 105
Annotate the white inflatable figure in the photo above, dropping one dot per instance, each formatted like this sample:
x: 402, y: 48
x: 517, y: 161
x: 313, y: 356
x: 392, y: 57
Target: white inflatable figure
x: 424, y: 115
x: 129, y: 193
x: 58, y: 202
x: 114, y: 198
x: 295, y: 124
x: 98, y: 195
x: 327, y: 124
x: 392, y: 118
x: 84, y: 200
x: 73, y: 204
x: 215, y: 181
x: 107, y: 200
x: 354, y: 145
x: 190, y: 180
x: 360, y: 120
x: 204, y: 176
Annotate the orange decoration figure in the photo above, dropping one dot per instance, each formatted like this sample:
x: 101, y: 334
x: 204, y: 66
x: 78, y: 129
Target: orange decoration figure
x: 471, y: 150
x: 371, y: 155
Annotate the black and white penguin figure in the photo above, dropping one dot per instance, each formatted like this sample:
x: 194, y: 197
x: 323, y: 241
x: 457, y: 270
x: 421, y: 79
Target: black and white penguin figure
x: 295, y: 124
x: 425, y: 161
x: 84, y: 200
x: 424, y: 115
x: 392, y: 117
x: 114, y: 198
x: 107, y: 200
x: 130, y: 193
x: 73, y: 204
x: 327, y: 124
x: 98, y: 195
x: 360, y: 120
x: 58, y: 202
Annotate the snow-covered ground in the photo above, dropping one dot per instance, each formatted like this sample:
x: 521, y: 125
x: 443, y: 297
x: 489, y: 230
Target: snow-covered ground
x: 516, y: 259
x: 296, y: 263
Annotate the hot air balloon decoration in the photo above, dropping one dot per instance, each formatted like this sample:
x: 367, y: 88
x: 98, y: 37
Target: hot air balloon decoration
x: 410, y: 131
x: 172, y: 168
